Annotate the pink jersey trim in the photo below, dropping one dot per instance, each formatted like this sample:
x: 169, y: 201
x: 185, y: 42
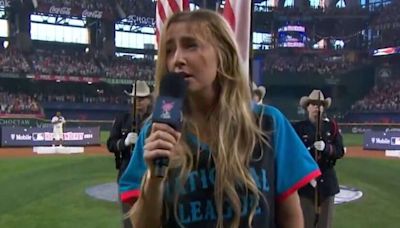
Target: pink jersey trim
x: 130, y: 196
x: 314, y: 174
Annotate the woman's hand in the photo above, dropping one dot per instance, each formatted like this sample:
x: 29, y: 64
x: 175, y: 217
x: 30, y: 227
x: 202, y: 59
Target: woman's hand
x: 161, y: 143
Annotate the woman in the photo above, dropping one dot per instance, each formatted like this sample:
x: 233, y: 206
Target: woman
x: 234, y: 164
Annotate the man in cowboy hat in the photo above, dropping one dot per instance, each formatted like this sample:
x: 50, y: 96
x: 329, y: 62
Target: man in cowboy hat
x: 258, y: 93
x: 125, y: 130
x: 326, y: 146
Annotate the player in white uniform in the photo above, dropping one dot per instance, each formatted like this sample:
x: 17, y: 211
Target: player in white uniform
x: 58, y: 121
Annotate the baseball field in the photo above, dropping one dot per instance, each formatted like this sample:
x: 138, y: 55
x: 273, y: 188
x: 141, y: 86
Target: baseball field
x: 48, y: 191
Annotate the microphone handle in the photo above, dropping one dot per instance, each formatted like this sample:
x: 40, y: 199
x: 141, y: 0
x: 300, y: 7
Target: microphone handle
x: 161, y: 165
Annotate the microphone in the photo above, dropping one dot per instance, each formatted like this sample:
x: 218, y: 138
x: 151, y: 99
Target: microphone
x: 168, y: 110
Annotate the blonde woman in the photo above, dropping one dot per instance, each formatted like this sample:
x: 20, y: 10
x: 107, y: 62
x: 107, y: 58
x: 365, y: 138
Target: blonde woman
x: 234, y: 164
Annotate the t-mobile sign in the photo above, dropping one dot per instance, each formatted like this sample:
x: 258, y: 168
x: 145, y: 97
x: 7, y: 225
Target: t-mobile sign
x: 379, y: 140
x: 20, y: 136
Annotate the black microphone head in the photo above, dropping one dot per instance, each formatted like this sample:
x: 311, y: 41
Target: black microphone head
x: 169, y: 103
x: 173, y: 85
x: 168, y: 110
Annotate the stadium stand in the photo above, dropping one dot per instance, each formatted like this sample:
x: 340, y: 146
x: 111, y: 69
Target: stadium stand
x: 19, y: 104
x: 382, y: 98
x: 387, y: 22
x: 12, y: 61
x: 71, y: 64
x: 329, y: 68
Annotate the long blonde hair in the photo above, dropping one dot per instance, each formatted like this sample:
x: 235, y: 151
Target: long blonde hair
x: 234, y: 137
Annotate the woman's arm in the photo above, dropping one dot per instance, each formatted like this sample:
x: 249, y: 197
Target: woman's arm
x: 147, y: 210
x: 289, y: 213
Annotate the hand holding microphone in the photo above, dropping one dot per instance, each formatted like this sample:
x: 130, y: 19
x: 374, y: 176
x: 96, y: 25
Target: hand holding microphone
x: 167, y: 123
x: 160, y: 147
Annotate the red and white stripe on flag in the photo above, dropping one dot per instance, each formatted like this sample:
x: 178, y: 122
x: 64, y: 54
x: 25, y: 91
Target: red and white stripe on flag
x: 238, y: 15
x: 164, y: 9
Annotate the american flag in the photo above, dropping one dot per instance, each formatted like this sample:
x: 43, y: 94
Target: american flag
x: 238, y: 15
x: 166, y: 8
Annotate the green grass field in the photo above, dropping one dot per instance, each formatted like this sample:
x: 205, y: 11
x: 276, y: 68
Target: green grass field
x: 352, y: 139
x: 379, y: 180
x: 104, y: 136
x: 48, y: 192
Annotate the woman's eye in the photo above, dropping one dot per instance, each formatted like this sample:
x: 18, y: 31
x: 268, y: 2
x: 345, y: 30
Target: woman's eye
x: 191, y: 45
x: 169, y: 50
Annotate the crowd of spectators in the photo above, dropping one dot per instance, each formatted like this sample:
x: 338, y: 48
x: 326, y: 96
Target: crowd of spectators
x: 128, y: 68
x: 89, y: 99
x: 139, y: 8
x: 75, y: 64
x: 18, y: 104
x: 306, y: 64
x: 387, y: 24
x: 72, y: 64
x: 12, y: 61
x: 384, y: 97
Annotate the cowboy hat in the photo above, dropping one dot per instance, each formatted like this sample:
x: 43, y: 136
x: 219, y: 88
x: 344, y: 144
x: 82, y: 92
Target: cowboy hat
x: 315, y: 96
x: 261, y: 89
x: 143, y: 90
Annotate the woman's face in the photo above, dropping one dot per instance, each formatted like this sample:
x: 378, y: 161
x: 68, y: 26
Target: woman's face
x: 190, y: 53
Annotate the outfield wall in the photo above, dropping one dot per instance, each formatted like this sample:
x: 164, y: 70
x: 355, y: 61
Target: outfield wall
x: 41, y: 126
x: 105, y: 125
x: 35, y: 136
x: 361, y: 128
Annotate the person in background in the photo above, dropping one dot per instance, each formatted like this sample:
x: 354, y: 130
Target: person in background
x: 123, y: 134
x: 326, y: 146
x: 58, y: 122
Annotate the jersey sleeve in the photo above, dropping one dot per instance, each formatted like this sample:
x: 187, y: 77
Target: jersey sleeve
x: 293, y: 163
x: 131, y: 179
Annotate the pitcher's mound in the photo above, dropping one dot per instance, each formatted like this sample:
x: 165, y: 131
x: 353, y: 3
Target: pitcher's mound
x: 347, y: 194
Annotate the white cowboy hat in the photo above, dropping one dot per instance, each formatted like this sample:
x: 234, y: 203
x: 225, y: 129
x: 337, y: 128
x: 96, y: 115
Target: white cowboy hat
x: 261, y: 89
x: 143, y: 90
x: 315, y: 96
